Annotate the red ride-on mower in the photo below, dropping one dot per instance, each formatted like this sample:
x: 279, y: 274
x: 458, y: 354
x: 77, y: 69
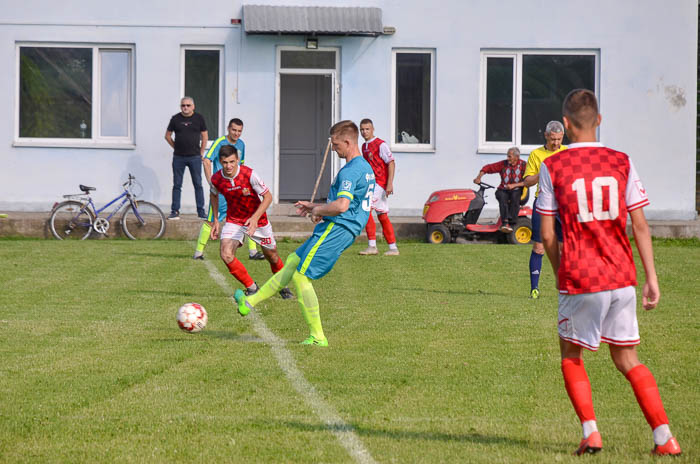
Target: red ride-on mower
x: 454, y: 212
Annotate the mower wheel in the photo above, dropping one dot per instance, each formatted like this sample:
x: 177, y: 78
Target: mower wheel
x: 522, y: 232
x: 438, y: 233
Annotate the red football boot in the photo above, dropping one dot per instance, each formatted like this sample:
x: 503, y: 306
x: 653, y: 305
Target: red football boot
x: 590, y: 445
x: 671, y: 448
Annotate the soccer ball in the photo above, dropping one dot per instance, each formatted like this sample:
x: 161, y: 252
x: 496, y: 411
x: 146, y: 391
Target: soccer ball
x: 192, y: 317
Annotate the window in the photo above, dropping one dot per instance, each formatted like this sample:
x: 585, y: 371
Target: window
x: 74, y: 95
x: 203, y: 82
x: 523, y: 90
x: 413, y: 96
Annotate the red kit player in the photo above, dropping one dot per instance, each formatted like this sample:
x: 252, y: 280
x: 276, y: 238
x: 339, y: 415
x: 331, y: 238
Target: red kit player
x: 593, y: 188
x: 377, y: 153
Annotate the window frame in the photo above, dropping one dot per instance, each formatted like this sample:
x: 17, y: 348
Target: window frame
x: 220, y: 49
x: 413, y: 147
x: 96, y: 140
x: 485, y: 147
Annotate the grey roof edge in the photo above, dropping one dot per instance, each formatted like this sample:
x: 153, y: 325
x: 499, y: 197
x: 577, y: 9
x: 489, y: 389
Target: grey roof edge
x: 315, y: 20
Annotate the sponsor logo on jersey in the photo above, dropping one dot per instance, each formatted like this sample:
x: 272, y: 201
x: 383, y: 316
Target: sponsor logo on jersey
x: 347, y: 185
x: 246, y: 191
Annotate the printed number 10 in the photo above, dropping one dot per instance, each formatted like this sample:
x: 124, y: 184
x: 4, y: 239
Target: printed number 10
x: 584, y: 214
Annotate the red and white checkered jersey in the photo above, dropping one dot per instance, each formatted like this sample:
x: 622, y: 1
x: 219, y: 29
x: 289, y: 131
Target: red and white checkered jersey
x: 378, y: 155
x: 592, y: 188
x: 242, y: 193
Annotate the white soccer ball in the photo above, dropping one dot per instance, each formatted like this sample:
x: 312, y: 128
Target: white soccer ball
x: 192, y: 317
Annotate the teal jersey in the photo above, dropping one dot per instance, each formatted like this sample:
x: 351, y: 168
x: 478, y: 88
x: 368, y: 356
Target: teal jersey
x: 213, y: 153
x: 355, y: 181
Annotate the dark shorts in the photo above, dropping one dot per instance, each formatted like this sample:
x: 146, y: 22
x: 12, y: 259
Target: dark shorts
x: 536, y: 224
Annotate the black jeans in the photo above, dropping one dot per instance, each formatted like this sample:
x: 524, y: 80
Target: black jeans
x: 509, y: 204
x: 194, y: 164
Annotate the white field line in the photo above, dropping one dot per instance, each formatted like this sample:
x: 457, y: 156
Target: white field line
x: 343, y: 432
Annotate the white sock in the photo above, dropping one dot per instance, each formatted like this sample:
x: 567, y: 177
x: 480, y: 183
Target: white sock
x: 662, y: 434
x: 392, y: 246
x: 253, y: 287
x: 589, y: 427
x: 373, y: 244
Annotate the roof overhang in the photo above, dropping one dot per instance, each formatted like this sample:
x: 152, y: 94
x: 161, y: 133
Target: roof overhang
x: 312, y: 20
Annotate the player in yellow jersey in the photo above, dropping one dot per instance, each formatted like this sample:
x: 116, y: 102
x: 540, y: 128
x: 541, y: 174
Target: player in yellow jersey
x: 553, y: 135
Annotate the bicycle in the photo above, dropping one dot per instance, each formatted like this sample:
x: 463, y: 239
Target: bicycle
x: 77, y: 217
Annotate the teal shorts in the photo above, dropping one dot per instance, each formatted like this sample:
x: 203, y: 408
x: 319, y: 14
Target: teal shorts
x: 318, y: 254
x: 222, y: 210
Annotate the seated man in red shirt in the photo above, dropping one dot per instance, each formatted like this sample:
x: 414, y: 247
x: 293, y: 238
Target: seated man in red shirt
x: 245, y: 216
x: 511, y: 188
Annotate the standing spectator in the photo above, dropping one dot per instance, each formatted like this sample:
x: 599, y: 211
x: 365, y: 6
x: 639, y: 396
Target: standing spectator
x: 511, y: 188
x: 189, y: 146
x: 212, y: 165
x: 553, y: 135
x: 377, y: 153
x: 593, y: 188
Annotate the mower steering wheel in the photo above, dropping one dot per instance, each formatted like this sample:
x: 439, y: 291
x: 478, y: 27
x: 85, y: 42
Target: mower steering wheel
x: 485, y: 185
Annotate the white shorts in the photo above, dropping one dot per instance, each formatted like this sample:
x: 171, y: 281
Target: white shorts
x: 263, y: 235
x: 609, y: 316
x: 380, y: 201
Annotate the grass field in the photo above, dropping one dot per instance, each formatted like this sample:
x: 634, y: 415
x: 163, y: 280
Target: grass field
x: 436, y: 355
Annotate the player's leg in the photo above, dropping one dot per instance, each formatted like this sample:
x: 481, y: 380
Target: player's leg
x: 309, y: 309
x: 178, y: 173
x: 502, y: 197
x: 273, y: 285
x: 231, y: 237
x: 204, y: 233
x: 371, y: 229
x: 388, y: 232
x: 253, y: 252
x: 266, y: 238
x: 579, y: 325
x: 536, y: 254
x: 621, y: 331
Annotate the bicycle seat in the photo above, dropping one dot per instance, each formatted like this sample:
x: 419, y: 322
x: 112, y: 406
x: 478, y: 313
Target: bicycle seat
x: 86, y: 189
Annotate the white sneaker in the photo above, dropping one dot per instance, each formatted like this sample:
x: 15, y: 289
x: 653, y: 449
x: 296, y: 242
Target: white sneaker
x: 394, y: 252
x: 370, y: 251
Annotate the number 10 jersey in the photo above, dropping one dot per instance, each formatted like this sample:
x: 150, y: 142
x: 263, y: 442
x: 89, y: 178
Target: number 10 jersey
x: 592, y: 188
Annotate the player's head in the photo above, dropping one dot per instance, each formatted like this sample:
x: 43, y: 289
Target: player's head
x: 513, y: 155
x: 235, y: 129
x: 553, y: 134
x: 367, y: 129
x: 580, y: 110
x: 187, y: 106
x: 228, y: 156
x: 344, y: 138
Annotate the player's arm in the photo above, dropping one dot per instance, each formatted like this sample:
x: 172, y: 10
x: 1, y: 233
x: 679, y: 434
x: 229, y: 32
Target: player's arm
x: 317, y: 211
x: 532, y: 171
x: 206, y: 163
x: 390, y: 168
x: 252, y: 222
x: 642, y: 238
x: 531, y: 180
x: 549, y: 240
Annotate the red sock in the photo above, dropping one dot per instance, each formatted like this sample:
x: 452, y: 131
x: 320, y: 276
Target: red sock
x: 238, y: 270
x: 371, y: 228
x: 276, y: 267
x: 387, y: 228
x: 648, y: 397
x: 578, y: 387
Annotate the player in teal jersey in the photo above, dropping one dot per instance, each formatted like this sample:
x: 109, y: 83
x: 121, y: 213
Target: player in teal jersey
x: 339, y: 222
x: 211, y: 166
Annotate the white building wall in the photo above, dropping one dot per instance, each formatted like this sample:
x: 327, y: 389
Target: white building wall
x: 647, y: 87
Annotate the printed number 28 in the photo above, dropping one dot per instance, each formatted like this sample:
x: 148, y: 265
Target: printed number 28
x: 584, y: 214
x: 367, y: 201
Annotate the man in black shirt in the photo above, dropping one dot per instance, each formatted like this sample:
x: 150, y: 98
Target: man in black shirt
x: 189, y: 147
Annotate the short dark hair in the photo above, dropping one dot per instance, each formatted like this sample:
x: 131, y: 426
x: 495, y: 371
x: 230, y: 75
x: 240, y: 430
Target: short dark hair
x: 227, y: 150
x: 366, y: 121
x: 581, y: 108
x: 235, y: 121
x: 347, y: 128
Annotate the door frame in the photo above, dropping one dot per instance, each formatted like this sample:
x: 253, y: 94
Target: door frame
x: 335, y: 104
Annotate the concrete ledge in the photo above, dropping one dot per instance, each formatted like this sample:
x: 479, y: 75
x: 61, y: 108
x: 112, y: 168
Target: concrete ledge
x: 35, y: 224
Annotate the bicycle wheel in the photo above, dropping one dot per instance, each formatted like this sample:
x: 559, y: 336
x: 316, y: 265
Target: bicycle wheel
x: 146, y: 221
x: 70, y: 221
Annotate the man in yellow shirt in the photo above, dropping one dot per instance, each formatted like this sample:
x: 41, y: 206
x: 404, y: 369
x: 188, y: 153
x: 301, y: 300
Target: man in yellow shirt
x: 553, y: 135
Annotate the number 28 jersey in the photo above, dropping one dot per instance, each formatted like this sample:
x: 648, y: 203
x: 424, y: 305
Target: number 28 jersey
x: 592, y: 188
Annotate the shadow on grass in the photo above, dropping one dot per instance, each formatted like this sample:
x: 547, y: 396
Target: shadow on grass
x: 451, y: 292
x: 398, y: 434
